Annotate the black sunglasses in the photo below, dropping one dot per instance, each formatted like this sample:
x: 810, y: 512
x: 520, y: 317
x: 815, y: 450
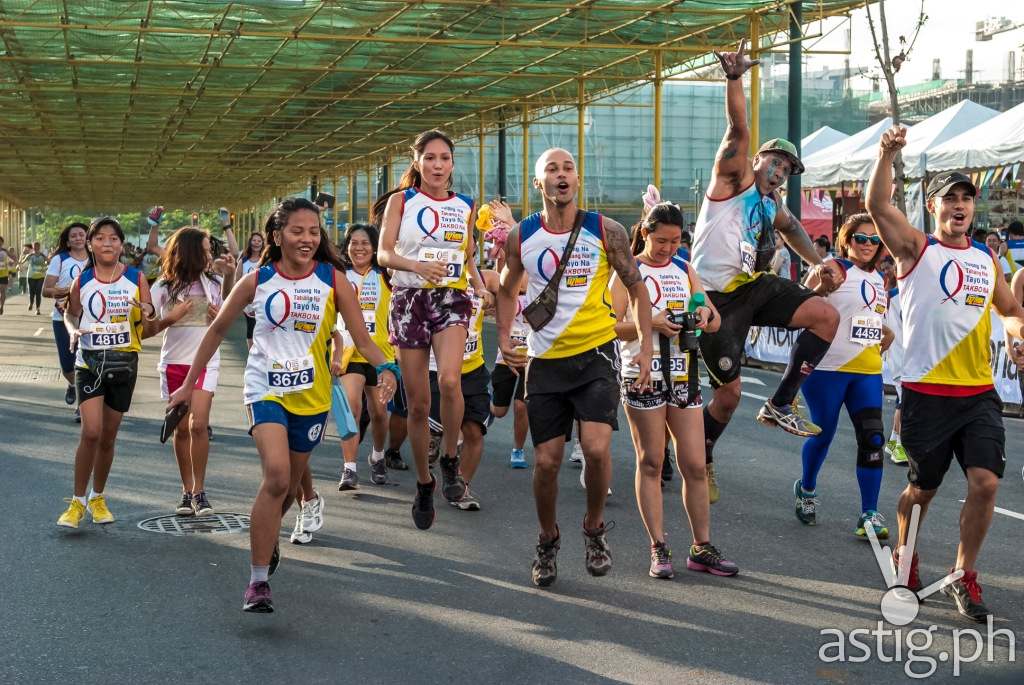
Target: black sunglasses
x: 862, y: 239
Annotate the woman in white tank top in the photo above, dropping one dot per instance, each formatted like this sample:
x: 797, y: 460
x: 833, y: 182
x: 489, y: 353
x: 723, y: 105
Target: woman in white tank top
x: 671, y: 283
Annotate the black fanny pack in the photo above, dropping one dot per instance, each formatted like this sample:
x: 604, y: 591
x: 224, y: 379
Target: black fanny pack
x: 112, y: 366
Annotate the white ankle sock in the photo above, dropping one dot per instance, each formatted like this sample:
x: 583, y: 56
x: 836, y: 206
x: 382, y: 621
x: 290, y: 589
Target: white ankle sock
x: 351, y: 466
x: 894, y: 436
x: 259, y: 574
x: 81, y: 500
x: 93, y: 494
x: 376, y: 455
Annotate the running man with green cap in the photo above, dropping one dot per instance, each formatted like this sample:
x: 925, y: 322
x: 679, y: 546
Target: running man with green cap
x: 733, y: 245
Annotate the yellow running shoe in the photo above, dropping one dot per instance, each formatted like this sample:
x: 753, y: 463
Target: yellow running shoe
x: 713, y: 493
x: 73, y: 515
x: 98, y: 510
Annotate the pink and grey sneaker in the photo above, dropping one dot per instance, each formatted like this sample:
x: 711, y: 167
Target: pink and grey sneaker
x: 707, y: 558
x: 661, y: 561
x: 257, y: 598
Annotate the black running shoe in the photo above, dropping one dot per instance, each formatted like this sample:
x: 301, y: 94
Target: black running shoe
x: 598, y: 554
x: 423, y: 504
x: 966, y: 593
x: 453, y: 487
x: 275, y: 559
x: 378, y: 472
x: 434, y: 447
x: 394, y: 460
x: 200, y: 504
x: 666, y: 466
x: 69, y: 395
x: 184, y: 507
x: 545, y: 567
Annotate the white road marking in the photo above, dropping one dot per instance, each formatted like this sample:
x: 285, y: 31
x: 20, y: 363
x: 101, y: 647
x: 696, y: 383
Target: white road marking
x: 39, y: 332
x: 1006, y: 512
x: 751, y: 395
x: 753, y: 380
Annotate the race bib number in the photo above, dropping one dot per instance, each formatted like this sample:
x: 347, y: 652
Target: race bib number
x: 678, y: 366
x: 472, y: 344
x: 106, y: 336
x: 747, y: 258
x: 454, y: 261
x: 370, y: 319
x: 290, y: 375
x: 866, y: 330
x: 518, y: 338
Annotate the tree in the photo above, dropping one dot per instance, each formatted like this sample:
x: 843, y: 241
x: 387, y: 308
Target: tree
x: 890, y: 65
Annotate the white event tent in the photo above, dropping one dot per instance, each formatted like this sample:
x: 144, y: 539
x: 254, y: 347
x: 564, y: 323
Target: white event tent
x: 999, y: 141
x: 822, y: 167
x: 819, y: 140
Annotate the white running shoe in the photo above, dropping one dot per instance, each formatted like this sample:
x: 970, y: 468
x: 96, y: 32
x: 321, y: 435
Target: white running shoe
x: 577, y: 453
x: 583, y: 477
x: 300, y: 536
x: 313, y: 514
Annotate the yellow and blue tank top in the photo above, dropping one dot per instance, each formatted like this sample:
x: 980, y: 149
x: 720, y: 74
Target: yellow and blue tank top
x: 584, y: 319
x: 434, y: 229
x: 374, y: 297
x: 862, y: 302
x: 727, y: 236
x: 109, y: 319
x: 946, y: 299
x: 288, y: 360
x: 4, y: 261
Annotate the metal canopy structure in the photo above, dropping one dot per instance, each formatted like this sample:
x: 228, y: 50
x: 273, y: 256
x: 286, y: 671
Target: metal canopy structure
x: 119, y: 103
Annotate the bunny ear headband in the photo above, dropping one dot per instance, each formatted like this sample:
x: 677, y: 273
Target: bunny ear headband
x: 651, y: 198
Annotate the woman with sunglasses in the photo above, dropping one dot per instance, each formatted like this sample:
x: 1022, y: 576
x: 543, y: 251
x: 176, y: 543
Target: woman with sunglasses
x: 850, y: 374
x: 109, y: 312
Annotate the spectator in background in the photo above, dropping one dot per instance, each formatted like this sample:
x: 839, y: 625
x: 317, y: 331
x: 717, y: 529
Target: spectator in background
x: 684, y: 248
x: 1015, y: 242
x: 822, y: 246
x: 782, y: 263
x: 887, y: 267
x: 980, y: 235
x: 26, y: 250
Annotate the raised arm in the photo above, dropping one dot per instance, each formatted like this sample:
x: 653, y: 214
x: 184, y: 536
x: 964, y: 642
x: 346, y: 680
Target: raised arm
x: 616, y: 243
x: 902, y: 240
x: 732, y: 170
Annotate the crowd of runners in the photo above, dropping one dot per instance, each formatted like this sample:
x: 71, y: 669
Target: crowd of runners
x: 385, y: 335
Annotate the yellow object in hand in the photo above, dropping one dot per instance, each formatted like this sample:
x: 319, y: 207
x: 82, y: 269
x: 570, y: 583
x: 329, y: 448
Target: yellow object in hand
x: 483, y: 218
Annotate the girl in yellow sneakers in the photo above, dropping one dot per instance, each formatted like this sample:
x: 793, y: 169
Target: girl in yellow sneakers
x: 109, y: 312
x: 287, y: 388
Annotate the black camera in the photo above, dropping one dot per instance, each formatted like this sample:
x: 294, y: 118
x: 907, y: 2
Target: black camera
x: 688, y: 322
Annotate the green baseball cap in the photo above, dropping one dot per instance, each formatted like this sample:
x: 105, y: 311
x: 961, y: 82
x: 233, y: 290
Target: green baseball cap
x: 784, y: 147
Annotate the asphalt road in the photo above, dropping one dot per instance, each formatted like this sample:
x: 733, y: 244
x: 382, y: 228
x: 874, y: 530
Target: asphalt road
x: 373, y: 600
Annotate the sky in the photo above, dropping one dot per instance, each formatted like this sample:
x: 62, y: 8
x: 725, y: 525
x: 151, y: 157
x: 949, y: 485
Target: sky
x: 947, y: 35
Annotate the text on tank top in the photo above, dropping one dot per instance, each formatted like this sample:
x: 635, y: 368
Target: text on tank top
x: 584, y: 318
x: 862, y: 303
x: 946, y: 299
x: 110, y: 320
x: 434, y: 229
x: 668, y: 287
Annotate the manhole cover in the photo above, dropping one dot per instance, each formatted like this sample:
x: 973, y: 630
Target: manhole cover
x: 189, y: 525
x: 19, y: 373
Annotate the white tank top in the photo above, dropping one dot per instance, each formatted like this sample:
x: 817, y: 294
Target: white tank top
x: 862, y: 303
x: 433, y: 229
x: 109, y: 319
x: 668, y: 286
x: 288, y: 359
x: 726, y: 237
x: 946, y: 299
x: 66, y: 268
x: 249, y: 265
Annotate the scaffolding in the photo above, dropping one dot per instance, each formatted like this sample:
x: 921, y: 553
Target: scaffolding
x: 119, y: 104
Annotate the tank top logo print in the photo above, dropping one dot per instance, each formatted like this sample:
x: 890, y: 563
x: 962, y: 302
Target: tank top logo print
x: 582, y: 265
x: 965, y: 283
x: 872, y: 297
x: 302, y: 307
x: 442, y: 223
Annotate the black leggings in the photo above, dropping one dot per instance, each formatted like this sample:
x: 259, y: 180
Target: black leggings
x: 35, y: 293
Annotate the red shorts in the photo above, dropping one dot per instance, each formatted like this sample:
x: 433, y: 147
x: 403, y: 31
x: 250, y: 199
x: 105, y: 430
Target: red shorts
x: 173, y: 376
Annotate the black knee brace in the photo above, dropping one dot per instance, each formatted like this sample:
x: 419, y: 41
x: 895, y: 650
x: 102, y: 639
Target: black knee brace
x: 870, y: 431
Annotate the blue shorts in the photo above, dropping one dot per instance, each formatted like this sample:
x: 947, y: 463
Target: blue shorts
x: 304, y: 432
x: 398, y: 405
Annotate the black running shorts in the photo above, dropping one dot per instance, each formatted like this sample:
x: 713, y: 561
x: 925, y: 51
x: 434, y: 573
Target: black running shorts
x: 364, y: 369
x: 584, y: 386
x: 476, y: 396
x: 506, y: 385
x: 118, y: 397
x: 937, y: 428
x: 765, y: 301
